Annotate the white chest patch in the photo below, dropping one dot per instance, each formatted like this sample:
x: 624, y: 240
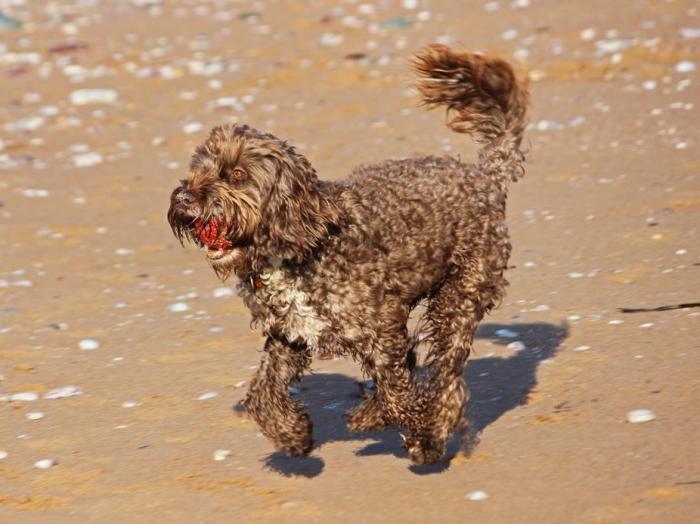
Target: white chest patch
x: 280, y: 305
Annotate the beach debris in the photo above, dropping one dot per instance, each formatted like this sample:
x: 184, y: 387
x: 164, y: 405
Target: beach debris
x: 8, y: 23
x: 670, y: 307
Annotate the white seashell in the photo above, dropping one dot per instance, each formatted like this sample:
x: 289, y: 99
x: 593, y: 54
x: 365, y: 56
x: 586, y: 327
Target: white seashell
x: 686, y: 66
x: 88, y: 344
x: 221, y: 454
x: 637, y: 416
x: 516, y: 346
x: 178, y: 307
x: 35, y: 415
x: 83, y: 97
x: 476, y: 495
x: 208, y: 395
x: 25, y: 396
x: 64, y: 392
x: 45, y: 463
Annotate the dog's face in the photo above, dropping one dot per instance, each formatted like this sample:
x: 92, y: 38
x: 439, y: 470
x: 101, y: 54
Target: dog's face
x: 250, y: 198
x: 219, y: 207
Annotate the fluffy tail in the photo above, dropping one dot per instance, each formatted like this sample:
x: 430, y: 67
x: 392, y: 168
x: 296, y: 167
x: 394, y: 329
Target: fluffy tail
x: 483, y: 98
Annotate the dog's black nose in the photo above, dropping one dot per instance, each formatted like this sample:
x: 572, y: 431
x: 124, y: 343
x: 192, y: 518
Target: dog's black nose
x: 184, y: 197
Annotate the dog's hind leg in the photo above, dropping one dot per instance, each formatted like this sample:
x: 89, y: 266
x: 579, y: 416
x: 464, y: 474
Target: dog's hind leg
x: 453, y: 315
x: 281, y: 419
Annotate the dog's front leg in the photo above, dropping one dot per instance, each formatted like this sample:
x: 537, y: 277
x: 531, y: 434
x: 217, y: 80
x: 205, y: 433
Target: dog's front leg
x: 281, y: 419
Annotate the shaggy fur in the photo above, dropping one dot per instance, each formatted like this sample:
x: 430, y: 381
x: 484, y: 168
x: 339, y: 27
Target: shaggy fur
x: 338, y: 266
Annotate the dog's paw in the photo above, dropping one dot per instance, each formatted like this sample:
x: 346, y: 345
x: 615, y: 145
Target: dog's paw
x: 296, y: 437
x: 422, y: 451
x: 366, y: 417
x: 298, y: 448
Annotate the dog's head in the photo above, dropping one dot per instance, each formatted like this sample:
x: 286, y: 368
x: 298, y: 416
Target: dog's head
x: 250, y: 196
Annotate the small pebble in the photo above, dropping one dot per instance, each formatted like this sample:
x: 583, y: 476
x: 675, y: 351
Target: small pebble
x: 506, y: 333
x: 93, y: 96
x: 582, y: 348
x: 615, y: 322
x: 45, y: 463
x: 221, y: 454
x: 35, y: 415
x: 331, y: 40
x: 686, y: 66
x: 637, y: 416
x: 516, y: 346
x: 588, y: 34
x: 574, y: 274
x: 178, y: 307
x: 88, y: 344
x: 681, y: 252
x: 476, y: 495
x: 509, y: 34
x: 646, y: 325
x: 87, y: 159
x: 129, y: 404
x: 192, y: 128
x: 3, y: 454
x: 223, y: 292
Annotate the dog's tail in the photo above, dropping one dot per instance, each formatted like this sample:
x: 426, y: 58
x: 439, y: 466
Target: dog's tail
x: 483, y: 97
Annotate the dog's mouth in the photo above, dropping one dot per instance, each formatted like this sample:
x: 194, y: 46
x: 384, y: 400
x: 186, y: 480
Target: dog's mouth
x: 213, y: 237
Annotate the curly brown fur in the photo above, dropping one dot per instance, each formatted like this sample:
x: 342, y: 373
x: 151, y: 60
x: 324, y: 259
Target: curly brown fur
x: 338, y: 267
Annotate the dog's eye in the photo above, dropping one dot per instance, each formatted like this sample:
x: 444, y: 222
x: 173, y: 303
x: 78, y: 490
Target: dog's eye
x: 234, y: 174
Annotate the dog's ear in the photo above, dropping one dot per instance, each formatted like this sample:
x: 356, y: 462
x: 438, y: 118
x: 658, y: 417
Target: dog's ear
x: 298, y: 213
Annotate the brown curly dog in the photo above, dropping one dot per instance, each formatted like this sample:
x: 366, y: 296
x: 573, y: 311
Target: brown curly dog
x: 338, y: 266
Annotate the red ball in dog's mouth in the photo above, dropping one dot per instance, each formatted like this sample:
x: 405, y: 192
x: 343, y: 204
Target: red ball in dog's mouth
x: 213, y: 236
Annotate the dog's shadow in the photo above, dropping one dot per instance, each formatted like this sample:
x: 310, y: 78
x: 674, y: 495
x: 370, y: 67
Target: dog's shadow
x: 496, y: 385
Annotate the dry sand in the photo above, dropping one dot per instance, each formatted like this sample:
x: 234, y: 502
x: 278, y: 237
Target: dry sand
x: 608, y: 216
